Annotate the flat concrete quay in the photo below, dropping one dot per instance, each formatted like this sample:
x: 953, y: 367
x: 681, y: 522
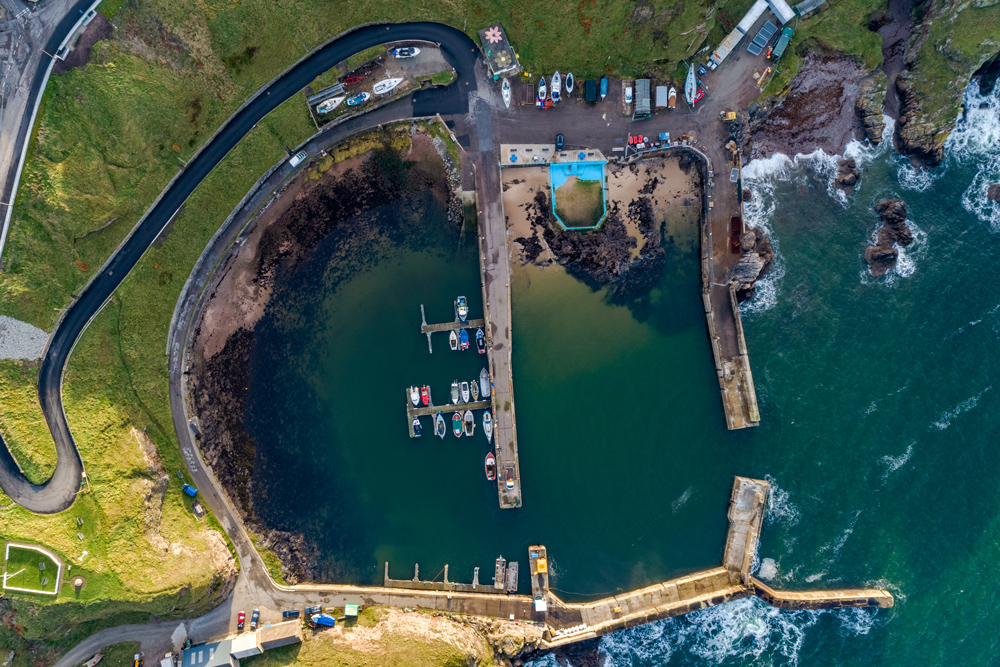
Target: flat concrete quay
x: 566, y: 623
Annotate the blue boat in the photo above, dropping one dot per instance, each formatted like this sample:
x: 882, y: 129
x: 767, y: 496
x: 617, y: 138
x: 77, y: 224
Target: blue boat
x: 604, y: 87
x: 481, y: 341
x: 463, y: 339
x: 324, y: 619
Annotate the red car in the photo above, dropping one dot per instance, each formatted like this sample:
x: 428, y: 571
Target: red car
x: 697, y: 98
x: 240, y: 619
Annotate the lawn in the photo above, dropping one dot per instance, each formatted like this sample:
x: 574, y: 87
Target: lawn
x: 30, y: 569
x: 21, y: 421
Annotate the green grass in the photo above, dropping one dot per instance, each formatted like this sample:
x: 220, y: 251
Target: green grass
x: 444, y: 78
x: 122, y: 654
x: 272, y: 562
x: 361, y: 57
x: 22, y: 569
x: 22, y: 422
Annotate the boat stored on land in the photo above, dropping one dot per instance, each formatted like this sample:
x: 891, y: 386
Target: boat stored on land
x: 406, y: 52
x: 542, y: 92
x: 454, y: 392
x: 385, y: 85
x: 672, y: 98
x: 360, y: 98
x: 470, y: 423
x: 512, y: 577
x: 604, y: 87
x: 491, y: 467
x: 480, y: 341
x: 462, y: 308
x: 556, y: 87
x: 416, y: 427
x: 474, y: 388
x: 690, y: 85
x: 569, y: 83
x: 425, y: 395
x: 351, y: 80
x: 456, y: 424
x: 414, y: 396
x: 330, y: 104
x: 488, y: 426
x: 465, y: 392
x: 505, y: 91
x: 453, y: 340
x: 484, y: 383
x: 500, y: 573
x: 439, y: 426
x: 463, y: 339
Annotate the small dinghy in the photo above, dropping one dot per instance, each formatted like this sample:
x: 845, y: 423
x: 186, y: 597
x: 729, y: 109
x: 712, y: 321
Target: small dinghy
x: 542, y: 92
x: 330, y: 104
x: 569, y: 83
x: 480, y: 341
x: 406, y: 52
x: 453, y: 339
x: 351, y: 80
x: 425, y: 395
x: 360, y: 98
x: 416, y: 427
x: 414, y: 396
x: 474, y: 388
x: 505, y: 91
x: 385, y: 85
x: 456, y: 424
x: 463, y: 339
x: 465, y: 392
x: 439, y: 426
x: 454, y: 392
x: 488, y: 426
x: 484, y: 383
x: 491, y: 467
x: 556, y: 87
x: 470, y: 423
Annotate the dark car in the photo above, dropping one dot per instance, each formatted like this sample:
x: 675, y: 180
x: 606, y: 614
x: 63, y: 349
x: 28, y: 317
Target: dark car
x: 240, y: 620
x: 254, y: 618
x: 559, y: 142
x: 293, y: 613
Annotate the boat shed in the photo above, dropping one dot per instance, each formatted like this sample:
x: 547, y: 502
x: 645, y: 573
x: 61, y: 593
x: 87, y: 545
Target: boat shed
x: 214, y: 654
x: 782, y: 10
x: 279, y: 634
x: 497, y: 51
x: 746, y: 23
x: 642, y: 102
x: 662, y: 97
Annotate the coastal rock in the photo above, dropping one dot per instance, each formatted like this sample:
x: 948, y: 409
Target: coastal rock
x: 892, y: 235
x: 870, y: 106
x: 758, y: 255
x: 847, y: 174
x: 917, y: 134
x: 993, y: 192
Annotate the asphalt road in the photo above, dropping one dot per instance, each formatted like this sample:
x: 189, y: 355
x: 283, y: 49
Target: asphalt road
x: 58, y: 493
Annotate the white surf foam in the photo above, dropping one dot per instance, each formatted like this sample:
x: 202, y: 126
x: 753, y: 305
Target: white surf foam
x: 780, y: 508
x: 768, y: 569
x: 894, y: 463
x: 944, y: 421
x: 906, y: 261
x: 760, y: 177
x: 976, y: 141
x: 679, y: 503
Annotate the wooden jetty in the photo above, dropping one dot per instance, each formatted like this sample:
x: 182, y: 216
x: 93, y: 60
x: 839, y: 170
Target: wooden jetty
x: 423, y: 411
x: 428, y: 329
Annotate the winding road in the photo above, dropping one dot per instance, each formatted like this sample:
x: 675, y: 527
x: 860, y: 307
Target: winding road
x: 59, y: 492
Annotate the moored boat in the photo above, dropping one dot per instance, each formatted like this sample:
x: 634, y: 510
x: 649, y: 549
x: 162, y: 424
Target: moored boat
x: 570, y: 82
x: 406, y: 52
x: 488, y: 426
x: 453, y: 339
x: 484, y: 383
x: 416, y: 427
x: 505, y: 91
x: 491, y: 466
x: 474, y: 388
x: 425, y: 395
x: 414, y: 396
x: 463, y: 339
x: 556, y: 87
x: 480, y: 341
x: 672, y: 98
x: 385, y: 85
x: 454, y: 392
x: 462, y: 308
x: 456, y: 424
x: 439, y: 426
x: 470, y: 423
x: 329, y: 105
x: 360, y: 98
x: 604, y: 87
x: 465, y: 392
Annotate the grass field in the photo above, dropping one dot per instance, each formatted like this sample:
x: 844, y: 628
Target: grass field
x: 30, y: 569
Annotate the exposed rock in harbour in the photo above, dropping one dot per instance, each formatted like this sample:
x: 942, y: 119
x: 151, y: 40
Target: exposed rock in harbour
x: 892, y: 235
x: 758, y: 255
x: 871, y: 106
x: 847, y: 175
x: 993, y: 192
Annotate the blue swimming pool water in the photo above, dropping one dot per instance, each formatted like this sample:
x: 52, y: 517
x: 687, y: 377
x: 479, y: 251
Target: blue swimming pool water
x: 585, y: 171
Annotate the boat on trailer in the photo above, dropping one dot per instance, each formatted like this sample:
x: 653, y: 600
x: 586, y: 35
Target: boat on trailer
x: 360, y: 98
x: 488, y: 426
x: 385, y: 85
x: 329, y: 105
x: 406, y: 52
x: 672, y: 98
x: 690, y: 86
x: 456, y: 424
x: 465, y: 391
x: 569, y: 83
x: 505, y: 91
x: 556, y: 87
x: 491, y: 466
x: 439, y: 426
x: 470, y: 423
x: 542, y: 93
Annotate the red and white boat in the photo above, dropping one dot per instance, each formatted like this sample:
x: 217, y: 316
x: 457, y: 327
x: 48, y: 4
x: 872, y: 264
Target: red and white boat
x: 425, y: 395
x: 491, y: 467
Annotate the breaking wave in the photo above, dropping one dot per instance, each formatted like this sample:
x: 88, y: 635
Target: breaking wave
x: 976, y: 140
x: 946, y: 417
x: 894, y: 463
x: 760, y: 177
x: 780, y: 508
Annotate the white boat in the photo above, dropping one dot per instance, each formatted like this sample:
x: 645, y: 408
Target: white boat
x: 329, y: 105
x: 465, y: 392
x: 470, y: 423
x: 570, y: 81
x: 542, y: 90
x: 454, y: 392
x: 556, y: 87
x: 414, y: 396
x: 453, y: 340
x: 505, y: 91
x: 439, y: 427
x: 484, y: 383
x: 406, y: 52
x: 690, y: 86
x: 385, y: 85
x: 488, y: 426
x: 672, y: 98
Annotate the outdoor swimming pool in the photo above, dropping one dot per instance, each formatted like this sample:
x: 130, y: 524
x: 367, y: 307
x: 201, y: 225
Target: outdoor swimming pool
x: 580, y: 207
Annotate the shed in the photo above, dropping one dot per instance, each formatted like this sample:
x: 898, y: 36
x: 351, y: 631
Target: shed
x: 642, y: 101
x: 350, y: 610
x: 803, y: 9
x: 279, y: 634
x: 245, y: 645
x: 751, y: 16
x: 590, y: 90
x: 781, y: 10
x: 662, y: 94
x: 214, y: 654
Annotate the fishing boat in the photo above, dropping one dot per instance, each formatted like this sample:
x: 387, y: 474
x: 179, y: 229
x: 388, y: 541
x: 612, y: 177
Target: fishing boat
x: 329, y: 105
x: 542, y: 92
x: 480, y: 341
x: 463, y: 339
x: 505, y: 91
x: 456, y: 424
x: 414, y: 396
x: 491, y: 466
x: 512, y: 577
x: 385, y: 85
x: 690, y: 85
x: 484, y: 383
x: 425, y: 395
x: 439, y: 427
x: 500, y: 573
x: 604, y: 87
x: 462, y: 308
x: 465, y: 392
x: 470, y: 423
x: 453, y: 339
x: 454, y: 392
x: 405, y: 52
x: 360, y: 98
x: 474, y: 388
x: 569, y: 83
x: 488, y: 426
x: 416, y: 427
x: 672, y: 98
x: 351, y: 80
x: 556, y: 87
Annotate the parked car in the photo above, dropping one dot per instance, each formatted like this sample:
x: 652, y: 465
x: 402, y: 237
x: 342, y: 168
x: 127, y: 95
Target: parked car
x: 559, y: 142
x: 254, y: 618
x: 297, y: 159
x: 509, y: 474
x: 190, y: 490
x: 292, y: 613
x: 313, y: 610
x: 628, y: 95
x: 240, y: 619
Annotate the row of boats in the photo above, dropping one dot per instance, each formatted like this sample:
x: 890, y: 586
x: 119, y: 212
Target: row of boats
x: 458, y: 339
x: 550, y: 96
x: 380, y: 88
x: 460, y: 391
x: 505, y: 575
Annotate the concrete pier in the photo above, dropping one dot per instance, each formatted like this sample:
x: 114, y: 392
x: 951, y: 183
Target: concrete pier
x: 447, y: 586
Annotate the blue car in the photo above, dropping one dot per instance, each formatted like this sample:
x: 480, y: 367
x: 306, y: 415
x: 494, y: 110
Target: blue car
x: 190, y: 490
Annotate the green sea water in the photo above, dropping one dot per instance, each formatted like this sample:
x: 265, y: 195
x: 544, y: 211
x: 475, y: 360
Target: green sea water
x: 878, y: 401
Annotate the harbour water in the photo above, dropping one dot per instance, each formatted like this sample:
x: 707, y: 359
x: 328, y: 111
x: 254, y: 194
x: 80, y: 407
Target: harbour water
x: 877, y: 400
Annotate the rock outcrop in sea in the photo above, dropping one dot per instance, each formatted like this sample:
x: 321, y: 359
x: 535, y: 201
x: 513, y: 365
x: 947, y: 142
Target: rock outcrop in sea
x: 892, y: 235
x: 993, y: 192
x: 847, y: 174
x: 755, y: 262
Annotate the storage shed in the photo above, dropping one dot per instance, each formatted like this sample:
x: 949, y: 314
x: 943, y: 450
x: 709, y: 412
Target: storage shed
x: 643, y: 108
x: 279, y: 634
x: 662, y: 95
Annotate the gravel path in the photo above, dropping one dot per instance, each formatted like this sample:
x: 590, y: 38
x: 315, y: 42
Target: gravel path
x: 20, y: 340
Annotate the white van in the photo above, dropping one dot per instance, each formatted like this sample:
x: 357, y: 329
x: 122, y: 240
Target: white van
x: 297, y: 159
